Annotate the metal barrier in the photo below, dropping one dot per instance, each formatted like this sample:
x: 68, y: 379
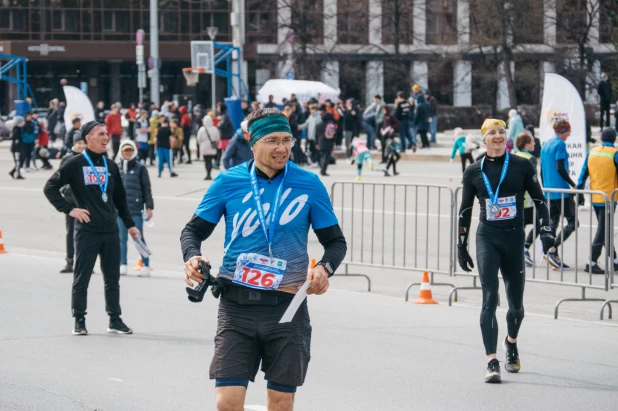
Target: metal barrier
x: 399, y: 216
x: 568, y: 278
x: 612, y: 282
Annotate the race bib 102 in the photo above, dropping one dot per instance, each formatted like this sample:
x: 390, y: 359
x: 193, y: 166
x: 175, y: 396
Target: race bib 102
x: 259, y: 271
x: 505, y: 209
x: 90, y: 178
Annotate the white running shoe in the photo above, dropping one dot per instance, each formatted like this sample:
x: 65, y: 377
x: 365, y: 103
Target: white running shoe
x: 123, y: 270
x: 144, y: 272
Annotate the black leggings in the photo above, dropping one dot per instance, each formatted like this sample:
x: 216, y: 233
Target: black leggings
x: 70, y: 225
x: 466, y: 157
x: 528, y: 220
x: 599, y: 237
x: 392, y: 160
x: 208, y: 163
x: 186, y: 145
x: 500, y: 249
x: 423, y: 134
x: 555, y: 217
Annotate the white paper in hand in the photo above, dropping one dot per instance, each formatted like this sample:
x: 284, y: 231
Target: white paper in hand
x: 142, y: 248
x: 296, y: 302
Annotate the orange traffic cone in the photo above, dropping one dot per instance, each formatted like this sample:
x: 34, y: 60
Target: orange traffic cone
x: 424, y: 295
x: 312, y: 264
x: 139, y: 265
x: 2, y: 250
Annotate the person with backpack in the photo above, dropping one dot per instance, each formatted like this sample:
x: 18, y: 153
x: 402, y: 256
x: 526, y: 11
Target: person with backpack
x: 422, y: 118
x: 208, y: 138
x: 390, y: 127
x: 16, y: 147
x: 327, y: 132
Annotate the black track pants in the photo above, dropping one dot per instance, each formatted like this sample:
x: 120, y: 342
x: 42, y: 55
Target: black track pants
x: 500, y: 249
x: 88, y: 246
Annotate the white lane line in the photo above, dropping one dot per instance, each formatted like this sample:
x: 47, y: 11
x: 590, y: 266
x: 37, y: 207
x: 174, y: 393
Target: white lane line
x: 255, y: 408
x: 115, y: 379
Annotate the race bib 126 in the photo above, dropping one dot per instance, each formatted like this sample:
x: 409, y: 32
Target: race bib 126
x: 259, y: 271
x: 506, y: 209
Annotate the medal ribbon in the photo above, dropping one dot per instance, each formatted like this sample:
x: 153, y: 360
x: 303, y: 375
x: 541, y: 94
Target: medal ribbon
x: 102, y: 186
x: 494, y: 197
x: 270, y: 232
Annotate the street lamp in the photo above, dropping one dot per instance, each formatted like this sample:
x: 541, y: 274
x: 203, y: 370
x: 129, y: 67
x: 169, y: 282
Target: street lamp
x: 212, y: 33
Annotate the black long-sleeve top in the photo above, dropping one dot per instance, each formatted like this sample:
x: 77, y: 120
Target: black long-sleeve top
x: 520, y: 177
x: 198, y: 230
x: 88, y: 195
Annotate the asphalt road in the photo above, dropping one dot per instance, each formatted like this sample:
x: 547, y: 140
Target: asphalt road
x: 370, y: 351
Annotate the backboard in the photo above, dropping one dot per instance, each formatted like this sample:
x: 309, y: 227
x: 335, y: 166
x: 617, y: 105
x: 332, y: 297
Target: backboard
x: 202, y: 55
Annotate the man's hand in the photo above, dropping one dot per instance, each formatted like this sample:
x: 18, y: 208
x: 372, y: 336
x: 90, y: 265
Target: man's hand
x: 134, y: 233
x: 80, y: 214
x: 547, y: 238
x: 465, y: 261
x: 149, y: 213
x: 580, y: 200
x: 192, y: 270
x: 319, y: 280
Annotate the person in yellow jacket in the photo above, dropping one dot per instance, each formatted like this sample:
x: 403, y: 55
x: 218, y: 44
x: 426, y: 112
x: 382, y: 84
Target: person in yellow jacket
x: 177, y: 138
x: 525, y: 144
x: 601, y: 165
x: 152, y: 139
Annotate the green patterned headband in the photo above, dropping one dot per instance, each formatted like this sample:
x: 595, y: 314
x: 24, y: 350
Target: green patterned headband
x: 268, y: 125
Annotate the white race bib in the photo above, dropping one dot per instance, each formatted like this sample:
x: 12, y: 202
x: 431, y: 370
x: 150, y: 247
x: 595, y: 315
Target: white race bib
x: 506, y: 209
x: 259, y: 271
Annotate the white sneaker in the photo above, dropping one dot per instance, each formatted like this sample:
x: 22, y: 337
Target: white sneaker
x: 144, y: 272
x: 123, y: 270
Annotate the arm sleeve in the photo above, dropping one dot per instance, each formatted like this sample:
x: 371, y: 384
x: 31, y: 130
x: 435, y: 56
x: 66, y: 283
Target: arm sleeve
x: 52, y: 188
x: 465, y: 210
x: 534, y: 163
x: 120, y: 201
x: 536, y: 193
x: 147, y: 189
x: 195, y: 232
x: 563, y: 172
x: 334, y: 244
x: 583, y: 176
x: 455, y: 148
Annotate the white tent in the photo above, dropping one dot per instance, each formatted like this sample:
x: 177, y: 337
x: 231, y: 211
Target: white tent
x: 303, y: 89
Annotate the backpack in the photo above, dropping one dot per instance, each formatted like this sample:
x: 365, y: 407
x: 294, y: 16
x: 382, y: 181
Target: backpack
x: 330, y: 131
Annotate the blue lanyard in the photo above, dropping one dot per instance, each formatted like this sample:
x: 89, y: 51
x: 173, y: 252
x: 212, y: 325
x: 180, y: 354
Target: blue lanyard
x: 270, y: 233
x: 102, y: 186
x: 494, y: 197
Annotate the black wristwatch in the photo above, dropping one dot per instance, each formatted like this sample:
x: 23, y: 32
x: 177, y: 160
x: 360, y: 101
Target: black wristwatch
x: 329, y: 268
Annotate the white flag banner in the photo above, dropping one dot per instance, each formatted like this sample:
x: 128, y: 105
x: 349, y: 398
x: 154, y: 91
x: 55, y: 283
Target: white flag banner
x: 78, y: 105
x: 561, y: 100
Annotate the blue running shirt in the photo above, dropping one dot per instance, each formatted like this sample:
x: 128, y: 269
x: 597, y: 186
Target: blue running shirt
x: 552, y: 151
x: 304, y: 202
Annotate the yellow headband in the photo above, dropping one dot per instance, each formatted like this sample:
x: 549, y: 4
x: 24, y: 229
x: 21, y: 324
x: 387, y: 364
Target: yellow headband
x: 491, y: 124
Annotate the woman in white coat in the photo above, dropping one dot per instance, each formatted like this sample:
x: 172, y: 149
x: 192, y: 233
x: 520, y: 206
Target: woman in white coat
x: 208, y: 137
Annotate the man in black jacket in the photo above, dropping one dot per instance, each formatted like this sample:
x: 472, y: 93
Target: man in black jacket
x: 100, y: 198
x: 79, y: 145
x: 68, y: 139
x: 605, y: 98
x: 326, y: 132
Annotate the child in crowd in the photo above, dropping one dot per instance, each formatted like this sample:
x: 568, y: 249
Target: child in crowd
x: 361, y: 154
x: 392, y: 149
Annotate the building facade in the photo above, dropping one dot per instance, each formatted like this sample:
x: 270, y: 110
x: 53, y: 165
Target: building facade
x: 364, y: 47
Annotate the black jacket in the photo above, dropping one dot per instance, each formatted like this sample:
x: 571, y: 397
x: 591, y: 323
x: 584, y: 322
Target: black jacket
x: 137, y: 185
x: 605, y: 92
x: 325, y: 143
x: 163, y: 137
x: 66, y: 191
x: 16, y: 137
x: 99, y: 115
x: 88, y: 196
x: 225, y: 126
x: 68, y: 139
x: 404, y: 111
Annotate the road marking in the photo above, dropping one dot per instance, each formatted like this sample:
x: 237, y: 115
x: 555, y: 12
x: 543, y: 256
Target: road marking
x: 255, y: 408
x: 115, y: 379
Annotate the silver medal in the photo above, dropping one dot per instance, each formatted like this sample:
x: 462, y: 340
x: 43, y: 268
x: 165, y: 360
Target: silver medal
x: 104, y: 196
x: 494, y: 210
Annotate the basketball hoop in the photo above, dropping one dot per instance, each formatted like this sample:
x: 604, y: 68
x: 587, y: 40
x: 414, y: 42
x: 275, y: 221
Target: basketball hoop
x: 192, y: 75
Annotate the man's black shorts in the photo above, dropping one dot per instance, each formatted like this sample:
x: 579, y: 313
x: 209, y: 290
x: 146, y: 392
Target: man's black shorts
x: 250, y: 334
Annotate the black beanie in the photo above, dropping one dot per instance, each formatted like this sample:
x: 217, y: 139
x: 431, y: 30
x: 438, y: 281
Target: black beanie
x: 86, y: 128
x: 608, y: 135
x: 77, y: 136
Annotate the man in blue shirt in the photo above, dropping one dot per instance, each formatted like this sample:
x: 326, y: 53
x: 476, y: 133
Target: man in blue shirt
x: 268, y: 205
x: 555, y: 174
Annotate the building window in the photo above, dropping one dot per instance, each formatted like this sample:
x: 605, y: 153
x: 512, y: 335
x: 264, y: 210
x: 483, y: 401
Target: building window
x: 65, y: 20
x: 307, y: 22
x: 441, y: 22
x: 396, y: 78
x: 262, y: 26
x: 352, y: 79
x: 484, y: 83
x: 527, y: 18
x: 168, y: 22
x: 484, y: 23
x: 13, y: 20
x: 607, y: 12
x: 441, y: 81
x: 527, y: 81
x: 397, y: 21
x: 571, y: 21
x: 352, y: 22
x: 116, y: 21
